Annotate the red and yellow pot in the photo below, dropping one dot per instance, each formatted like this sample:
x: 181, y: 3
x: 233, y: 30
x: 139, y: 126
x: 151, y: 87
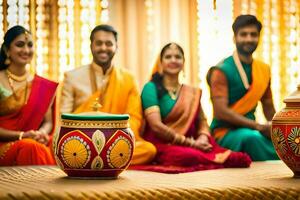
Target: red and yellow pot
x: 94, y: 145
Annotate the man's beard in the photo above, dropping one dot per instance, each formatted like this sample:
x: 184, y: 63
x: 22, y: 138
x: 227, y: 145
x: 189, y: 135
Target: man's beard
x: 103, y: 64
x: 246, y: 52
x: 106, y: 63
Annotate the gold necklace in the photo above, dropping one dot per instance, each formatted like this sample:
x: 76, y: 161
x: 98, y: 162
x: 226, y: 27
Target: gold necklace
x: 11, y: 85
x: 173, y: 92
x: 15, y: 77
x: 172, y: 95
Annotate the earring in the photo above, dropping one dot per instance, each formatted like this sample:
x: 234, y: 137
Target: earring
x: 7, y: 61
x: 182, y: 77
x: 183, y: 74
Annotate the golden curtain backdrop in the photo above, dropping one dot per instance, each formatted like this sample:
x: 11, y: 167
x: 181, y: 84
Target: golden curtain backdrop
x: 146, y: 25
x: 61, y: 30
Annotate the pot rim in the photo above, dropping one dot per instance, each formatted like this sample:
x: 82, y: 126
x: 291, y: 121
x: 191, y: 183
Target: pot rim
x: 94, y: 116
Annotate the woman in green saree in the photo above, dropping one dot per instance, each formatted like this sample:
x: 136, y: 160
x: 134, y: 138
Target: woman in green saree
x: 176, y: 124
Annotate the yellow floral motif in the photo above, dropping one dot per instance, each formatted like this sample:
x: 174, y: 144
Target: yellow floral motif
x: 294, y: 140
x: 279, y: 141
x: 119, y: 152
x: 75, y: 152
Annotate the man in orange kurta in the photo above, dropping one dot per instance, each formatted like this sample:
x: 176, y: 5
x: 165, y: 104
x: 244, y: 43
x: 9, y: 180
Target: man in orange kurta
x: 114, y: 88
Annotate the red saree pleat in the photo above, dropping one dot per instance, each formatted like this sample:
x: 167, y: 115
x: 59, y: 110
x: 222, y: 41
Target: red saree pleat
x: 27, y: 152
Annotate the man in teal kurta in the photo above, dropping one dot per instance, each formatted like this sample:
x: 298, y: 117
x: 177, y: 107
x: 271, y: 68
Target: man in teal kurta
x: 237, y: 84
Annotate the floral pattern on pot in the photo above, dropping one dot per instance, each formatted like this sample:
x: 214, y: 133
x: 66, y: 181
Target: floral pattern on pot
x: 74, y: 149
x: 279, y: 141
x: 294, y: 140
x: 120, y: 151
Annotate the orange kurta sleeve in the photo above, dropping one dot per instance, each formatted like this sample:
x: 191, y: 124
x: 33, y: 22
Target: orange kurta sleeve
x: 218, y: 84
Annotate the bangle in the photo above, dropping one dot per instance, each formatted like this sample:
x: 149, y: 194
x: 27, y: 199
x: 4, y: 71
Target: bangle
x: 192, y: 144
x: 182, y: 139
x: 178, y: 139
x: 189, y: 142
x: 174, y: 139
x: 21, y: 135
x: 203, y: 133
x: 42, y: 131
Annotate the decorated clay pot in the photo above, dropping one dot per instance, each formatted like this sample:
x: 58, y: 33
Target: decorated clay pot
x: 286, y: 132
x: 94, y: 145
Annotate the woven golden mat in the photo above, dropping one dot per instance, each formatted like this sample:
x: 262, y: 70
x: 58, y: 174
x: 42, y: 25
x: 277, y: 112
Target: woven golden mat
x: 263, y: 180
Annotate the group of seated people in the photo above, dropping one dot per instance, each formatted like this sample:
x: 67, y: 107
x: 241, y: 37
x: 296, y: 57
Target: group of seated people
x: 170, y: 127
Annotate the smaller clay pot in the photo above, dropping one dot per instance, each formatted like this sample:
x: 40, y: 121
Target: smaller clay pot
x: 286, y: 132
